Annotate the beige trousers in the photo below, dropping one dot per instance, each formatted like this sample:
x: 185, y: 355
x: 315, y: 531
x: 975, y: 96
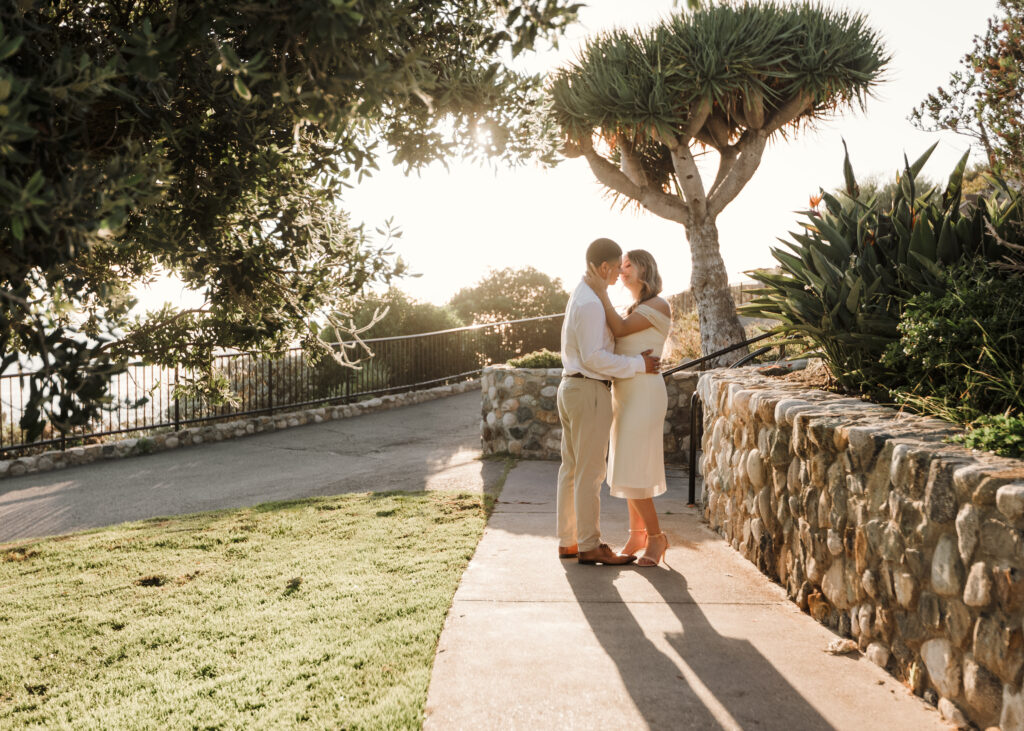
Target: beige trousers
x: 585, y: 409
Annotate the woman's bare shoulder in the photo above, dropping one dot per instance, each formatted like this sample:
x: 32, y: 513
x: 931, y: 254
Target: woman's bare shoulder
x: 661, y: 305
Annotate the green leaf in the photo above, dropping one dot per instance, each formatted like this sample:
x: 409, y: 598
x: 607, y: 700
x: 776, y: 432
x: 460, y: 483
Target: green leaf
x: 839, y: 242
x: 794, y: 264
x: 10, y: 46
x: 853, y: 299
x: 947, y: 250
x: 926, y: 263
x: 915, y: 169
x: 808, y: 313
x: 241, y: 89
x: 852, y: 189
x: 954, y: 187
x: 922, y: 240
x: 825, y: 267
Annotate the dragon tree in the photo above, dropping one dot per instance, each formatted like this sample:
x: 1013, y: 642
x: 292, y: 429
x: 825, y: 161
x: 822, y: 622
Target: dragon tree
x: 639, y: 105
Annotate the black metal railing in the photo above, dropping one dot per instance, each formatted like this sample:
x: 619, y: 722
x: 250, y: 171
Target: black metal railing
x: 704, y: 360
x: 144, y: 396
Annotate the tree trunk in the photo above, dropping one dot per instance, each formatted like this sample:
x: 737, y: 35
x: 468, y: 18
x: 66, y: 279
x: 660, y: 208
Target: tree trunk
x: 719, y: 325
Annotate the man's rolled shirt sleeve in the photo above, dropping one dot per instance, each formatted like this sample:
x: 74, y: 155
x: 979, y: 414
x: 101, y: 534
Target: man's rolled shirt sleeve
x: 591, y: 341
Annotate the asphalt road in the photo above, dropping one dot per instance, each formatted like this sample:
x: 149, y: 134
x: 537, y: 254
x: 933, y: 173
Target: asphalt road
x: 429, y: 446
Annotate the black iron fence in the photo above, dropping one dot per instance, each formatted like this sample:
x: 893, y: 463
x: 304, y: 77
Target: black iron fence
x: 144, y: 396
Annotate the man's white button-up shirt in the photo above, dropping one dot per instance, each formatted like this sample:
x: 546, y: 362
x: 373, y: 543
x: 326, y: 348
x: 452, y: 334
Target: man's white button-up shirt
x: 588, y: 346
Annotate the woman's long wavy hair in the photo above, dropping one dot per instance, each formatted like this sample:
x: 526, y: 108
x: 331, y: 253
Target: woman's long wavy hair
x: 647, y: 273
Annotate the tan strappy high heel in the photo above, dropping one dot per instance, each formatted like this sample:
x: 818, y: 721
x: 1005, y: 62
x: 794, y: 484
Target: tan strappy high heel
x: 631, y: 531
x: 649, y: 561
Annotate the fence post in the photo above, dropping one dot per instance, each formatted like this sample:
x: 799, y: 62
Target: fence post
x: 270, y: 385
x: 349, y: 375
x: 177, y: 402
x: 696, y: 432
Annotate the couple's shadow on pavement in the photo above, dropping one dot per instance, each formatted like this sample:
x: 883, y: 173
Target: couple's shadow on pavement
x: 721, y: 682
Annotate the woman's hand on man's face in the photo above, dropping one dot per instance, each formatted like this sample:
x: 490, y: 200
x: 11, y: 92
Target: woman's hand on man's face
x: 594, y: 280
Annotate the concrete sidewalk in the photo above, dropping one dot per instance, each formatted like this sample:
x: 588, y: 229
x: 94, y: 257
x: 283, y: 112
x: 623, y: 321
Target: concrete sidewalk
x: 535, y: 642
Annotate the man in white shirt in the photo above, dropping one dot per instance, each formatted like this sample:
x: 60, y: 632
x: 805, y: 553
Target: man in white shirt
x: 585, y: 410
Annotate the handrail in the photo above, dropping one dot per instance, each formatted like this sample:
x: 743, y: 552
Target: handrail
x: 750, y: 356
x: 705, y: 358
x: 477, y: 326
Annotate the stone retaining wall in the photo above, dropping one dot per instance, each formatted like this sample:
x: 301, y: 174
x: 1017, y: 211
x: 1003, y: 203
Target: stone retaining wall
x: 880, y: 529
x: 519, y: 415
x: 59, y: 459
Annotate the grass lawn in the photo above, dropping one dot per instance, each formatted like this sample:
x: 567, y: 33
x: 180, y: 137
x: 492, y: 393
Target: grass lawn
x: 319, y: 613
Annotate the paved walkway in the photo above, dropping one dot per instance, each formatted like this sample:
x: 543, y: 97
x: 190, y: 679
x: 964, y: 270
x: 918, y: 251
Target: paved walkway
x: 434, y: 445
x: 532, y: 642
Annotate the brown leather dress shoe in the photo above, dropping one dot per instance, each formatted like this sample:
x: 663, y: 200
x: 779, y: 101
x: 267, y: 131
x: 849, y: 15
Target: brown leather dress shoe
x: 568, y: 551
x: 603, y: 554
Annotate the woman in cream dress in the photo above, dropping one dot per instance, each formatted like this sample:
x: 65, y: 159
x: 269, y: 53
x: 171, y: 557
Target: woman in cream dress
x: 636, y: 460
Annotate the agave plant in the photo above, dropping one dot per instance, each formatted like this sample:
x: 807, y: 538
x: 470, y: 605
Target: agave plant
x: 847, y: 276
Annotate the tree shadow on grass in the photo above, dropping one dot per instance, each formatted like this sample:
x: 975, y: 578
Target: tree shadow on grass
x: 694, y: 678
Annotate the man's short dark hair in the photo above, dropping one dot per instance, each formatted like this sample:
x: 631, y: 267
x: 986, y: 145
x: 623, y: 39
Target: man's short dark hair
x: 602, y: 250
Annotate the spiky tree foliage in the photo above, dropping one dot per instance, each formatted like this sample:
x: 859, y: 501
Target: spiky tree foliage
x: 638, y: 105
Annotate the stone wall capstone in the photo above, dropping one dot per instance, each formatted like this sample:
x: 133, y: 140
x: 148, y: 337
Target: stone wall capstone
x: 879, y: 528
x: 519, y: 414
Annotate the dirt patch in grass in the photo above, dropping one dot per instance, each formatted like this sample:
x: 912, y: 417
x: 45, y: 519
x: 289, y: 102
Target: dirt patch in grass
x: 21, y: 553
x: 326, y: 615
x: 151, y: 581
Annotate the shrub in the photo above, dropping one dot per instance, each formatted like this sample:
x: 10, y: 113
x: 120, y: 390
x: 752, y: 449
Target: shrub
x: 683, y: 342
x: 918, y: 301
x: 844, y: 287
x: 1001, y: 434
x: 961, y: 351
x: 542, y: 358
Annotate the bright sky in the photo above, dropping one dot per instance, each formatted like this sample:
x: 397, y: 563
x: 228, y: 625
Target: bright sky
x: 457, y: 224
x: 460, y: 222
